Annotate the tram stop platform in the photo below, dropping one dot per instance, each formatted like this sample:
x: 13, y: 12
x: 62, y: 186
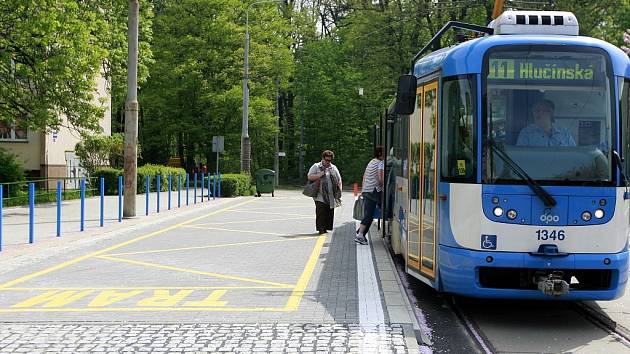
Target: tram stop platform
x: 246, y: 274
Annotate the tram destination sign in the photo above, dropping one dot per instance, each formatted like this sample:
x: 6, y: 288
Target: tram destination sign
x: 543, y: 70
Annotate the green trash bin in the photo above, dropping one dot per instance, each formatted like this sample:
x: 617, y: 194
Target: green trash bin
x: 265, y: 181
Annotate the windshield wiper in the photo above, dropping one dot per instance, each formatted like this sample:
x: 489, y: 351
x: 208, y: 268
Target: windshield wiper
x: 546, y: 198
x: 618, y: 163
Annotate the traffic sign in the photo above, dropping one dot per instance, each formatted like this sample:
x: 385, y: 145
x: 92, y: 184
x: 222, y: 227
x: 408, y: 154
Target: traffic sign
x: 217, y: 143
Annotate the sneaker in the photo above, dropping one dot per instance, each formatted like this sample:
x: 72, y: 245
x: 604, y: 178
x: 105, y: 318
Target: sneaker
x: 360, y: 239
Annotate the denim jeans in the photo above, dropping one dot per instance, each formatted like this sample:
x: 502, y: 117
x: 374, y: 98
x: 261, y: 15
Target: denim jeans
x: 370, y: 200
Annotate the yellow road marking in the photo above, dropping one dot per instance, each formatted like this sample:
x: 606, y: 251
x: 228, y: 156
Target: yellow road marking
x: 262, y: 212
x: 206, y: 247
x: 144, y: 288
x: 183, y: 270
x: 250, y: 221
x: 154, y: 309
x: 232, y: 230
x: 298, y: 291
x: 126, y: 243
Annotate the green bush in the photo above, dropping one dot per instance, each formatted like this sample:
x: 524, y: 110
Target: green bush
x: 234, y: 185
x: 10, y: 171
x: 152, y: 171
x: 111, y: 179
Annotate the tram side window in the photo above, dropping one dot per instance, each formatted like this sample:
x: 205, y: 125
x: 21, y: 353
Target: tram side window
x: 624, y: 108
x: 458, y: 115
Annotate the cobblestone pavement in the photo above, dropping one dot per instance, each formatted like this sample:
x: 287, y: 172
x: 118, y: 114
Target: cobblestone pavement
x: 201, y: 338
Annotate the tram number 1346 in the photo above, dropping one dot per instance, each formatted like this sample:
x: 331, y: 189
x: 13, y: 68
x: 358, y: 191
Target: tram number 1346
x: 550, y: 235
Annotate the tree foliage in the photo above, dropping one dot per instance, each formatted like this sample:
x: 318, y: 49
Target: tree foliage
x: 195, y: 88
x: 97, y: 151
x: 49, y: 59
x: 52, y: 51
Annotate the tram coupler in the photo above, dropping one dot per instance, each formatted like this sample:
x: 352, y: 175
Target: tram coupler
x: 552, y: 284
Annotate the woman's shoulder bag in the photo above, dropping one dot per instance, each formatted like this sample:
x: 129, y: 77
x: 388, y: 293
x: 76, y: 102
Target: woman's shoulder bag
x: 311, y: 189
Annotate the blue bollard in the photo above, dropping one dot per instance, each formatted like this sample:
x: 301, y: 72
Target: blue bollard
x: 120, y: 194
x: 219, y: 187
x: 195, y: 191
x: 31, y: 212
x: 102, y: 221
x: 158, y: 189
x: 179, y: 190
x: 187, y: 187
x: 82, y: 223
x: 147, y: 189
x: 203, y: 183
x: 59, y: 198
x: 214, y: 186
x: 1, y: 196
x: 170, y: 185
x: 209, y: 174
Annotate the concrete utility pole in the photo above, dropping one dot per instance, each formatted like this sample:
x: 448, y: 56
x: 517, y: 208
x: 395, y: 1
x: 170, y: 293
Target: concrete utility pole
x: 131, y: 114
x: 276, y: 159
x: 245, y: 144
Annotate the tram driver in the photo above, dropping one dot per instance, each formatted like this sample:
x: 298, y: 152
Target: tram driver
x: 543, y: 132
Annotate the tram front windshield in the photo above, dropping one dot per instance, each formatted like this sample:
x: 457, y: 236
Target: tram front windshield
x: 550, y: 112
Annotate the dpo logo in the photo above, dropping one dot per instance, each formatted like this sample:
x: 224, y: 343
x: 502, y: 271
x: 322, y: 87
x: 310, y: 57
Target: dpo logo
x: 547, y: 217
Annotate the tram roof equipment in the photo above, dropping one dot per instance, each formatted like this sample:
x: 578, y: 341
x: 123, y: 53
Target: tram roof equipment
x: 536, y: 22
x: 513, y: 23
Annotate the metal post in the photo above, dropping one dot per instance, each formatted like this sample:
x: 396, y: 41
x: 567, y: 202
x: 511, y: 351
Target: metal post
x: 31, y: 212
x: 245, y: 147
x: 214, y: 186
x: 219, y: 187
x: 245, y: 143
x: 187, y: 187
x: 131, y: 112
x: 209, y: 181
x: 82, y: 222
x: 195, y: 191
x: 120, y: 191
x: 203, y: 182
x: 170, y: 185
x: 146, y: 193
x: 102, y: 201
x: 59, y: 198
x: 179, y: 190
x: 158, y: 189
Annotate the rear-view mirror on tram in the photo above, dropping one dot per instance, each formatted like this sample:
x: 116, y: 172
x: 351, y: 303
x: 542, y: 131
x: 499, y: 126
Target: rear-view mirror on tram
x: 406, y: 95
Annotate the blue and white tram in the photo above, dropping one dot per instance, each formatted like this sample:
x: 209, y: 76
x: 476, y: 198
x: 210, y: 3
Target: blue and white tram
x: 478, y: 210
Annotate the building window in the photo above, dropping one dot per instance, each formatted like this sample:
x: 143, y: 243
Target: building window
x: 9, y: 132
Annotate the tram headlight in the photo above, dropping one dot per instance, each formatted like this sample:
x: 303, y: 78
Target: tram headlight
x: 511, y: 214
x: 586, y: 216
x: 602, y: 202
x: 498, y: 212
x: 495, y: 200
x: 599, y: 213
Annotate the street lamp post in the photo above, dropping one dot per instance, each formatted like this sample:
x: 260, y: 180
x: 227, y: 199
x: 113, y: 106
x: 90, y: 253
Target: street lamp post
x: 245, y: 144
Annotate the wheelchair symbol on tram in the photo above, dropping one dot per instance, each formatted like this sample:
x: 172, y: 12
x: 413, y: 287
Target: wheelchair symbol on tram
x: 489, y: 242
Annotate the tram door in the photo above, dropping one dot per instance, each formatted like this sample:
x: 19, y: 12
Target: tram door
x: 429, y: 179
x: 422, y: 182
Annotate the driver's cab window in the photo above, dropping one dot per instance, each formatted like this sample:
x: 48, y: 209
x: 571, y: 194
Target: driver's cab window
x: 549, y: 113
x: 549, y: 119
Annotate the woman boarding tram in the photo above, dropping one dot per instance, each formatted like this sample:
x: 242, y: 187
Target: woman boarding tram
x: 477, y: 213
